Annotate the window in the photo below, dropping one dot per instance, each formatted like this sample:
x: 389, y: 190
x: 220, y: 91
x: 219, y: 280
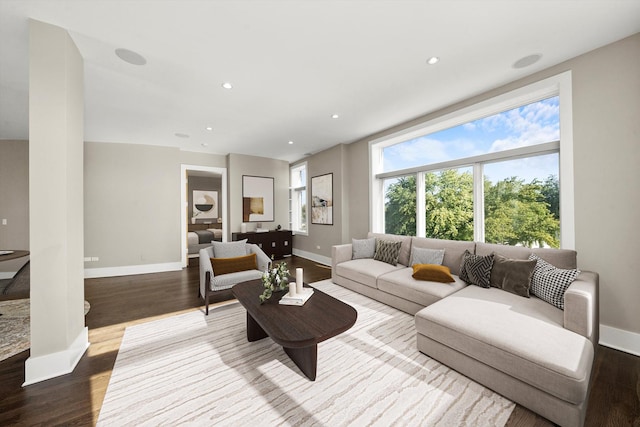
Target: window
x: 298, y: 194
x: 490, y: 172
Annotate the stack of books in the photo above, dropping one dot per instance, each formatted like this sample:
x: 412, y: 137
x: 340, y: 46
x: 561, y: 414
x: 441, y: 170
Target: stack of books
x: 297, y: 299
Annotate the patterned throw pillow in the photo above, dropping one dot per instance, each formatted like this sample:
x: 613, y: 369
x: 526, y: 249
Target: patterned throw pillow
x: 229, y: 249
x: 549, y: 283
x: 363, y: 248
x: 426, y: 256
x: 476, y: 269
x: 387, y: 251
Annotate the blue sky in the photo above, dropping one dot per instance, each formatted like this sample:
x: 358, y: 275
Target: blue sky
x: 528, y: 125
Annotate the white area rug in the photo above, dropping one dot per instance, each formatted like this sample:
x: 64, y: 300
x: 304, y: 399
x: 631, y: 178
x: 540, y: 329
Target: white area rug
x: 200, y: 370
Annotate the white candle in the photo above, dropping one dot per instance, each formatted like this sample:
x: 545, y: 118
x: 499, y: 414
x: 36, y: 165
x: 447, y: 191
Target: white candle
x: 243, y: 227
x: 298, y: 280
x: 292, y: 289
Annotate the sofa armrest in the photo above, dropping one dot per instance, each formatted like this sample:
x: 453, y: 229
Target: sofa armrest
x: 261, y: 258
x: 340, y: 253
x: 581, y: 306
x: 205, y: 266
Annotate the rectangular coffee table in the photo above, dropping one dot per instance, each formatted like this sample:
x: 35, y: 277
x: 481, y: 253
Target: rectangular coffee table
x: 298, y: 329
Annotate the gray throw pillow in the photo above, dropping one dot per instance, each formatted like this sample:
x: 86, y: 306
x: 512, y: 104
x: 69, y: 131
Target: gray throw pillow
x: 476, y: 269
x: 387, y: 251
x: 549, y: 283
x: 426, y: 256
x: 229, y: 249
x: 363, y: 248
x: 512, y: 275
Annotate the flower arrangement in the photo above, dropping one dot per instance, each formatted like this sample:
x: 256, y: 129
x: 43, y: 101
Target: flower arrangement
x: 274, y: 279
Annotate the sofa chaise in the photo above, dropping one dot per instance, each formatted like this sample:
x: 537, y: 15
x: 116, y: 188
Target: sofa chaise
x: 530, y: 351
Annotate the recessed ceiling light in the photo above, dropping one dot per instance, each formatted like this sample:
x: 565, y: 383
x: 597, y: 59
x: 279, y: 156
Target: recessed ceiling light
x: 433, y: 60
x: 290, y: 142
x: 334, y: 116
x: 181, y: 135
x: 227, y: 85
x: 209, y: 128
x: 526, y: 61
x: 130, y: 56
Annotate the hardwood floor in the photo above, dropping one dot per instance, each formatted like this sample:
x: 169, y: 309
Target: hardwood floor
x: 76, y: 398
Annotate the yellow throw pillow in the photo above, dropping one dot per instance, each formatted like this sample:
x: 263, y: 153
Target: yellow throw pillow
x: 233, y: 265
x: 432, y: 273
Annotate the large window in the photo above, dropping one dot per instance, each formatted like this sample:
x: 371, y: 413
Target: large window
x: 298, y: 194
x: 487, y: 173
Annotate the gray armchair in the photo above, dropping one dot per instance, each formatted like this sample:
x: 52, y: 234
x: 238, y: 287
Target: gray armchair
x: 210, y: 283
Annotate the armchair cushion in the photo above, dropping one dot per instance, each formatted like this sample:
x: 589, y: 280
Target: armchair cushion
x: 235, y: 264
x: 229, y: 249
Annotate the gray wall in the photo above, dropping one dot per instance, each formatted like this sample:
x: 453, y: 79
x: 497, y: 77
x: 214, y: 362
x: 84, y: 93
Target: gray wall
x: 14, y: 194
x: 606, y: 126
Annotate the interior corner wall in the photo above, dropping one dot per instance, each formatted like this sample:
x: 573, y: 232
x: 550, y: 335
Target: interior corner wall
x: 240, y: 165
x: 606, y: 131
x: 132, y: 206
x: 14, y: 194
x: 56, y: 126
x: 321, y: 237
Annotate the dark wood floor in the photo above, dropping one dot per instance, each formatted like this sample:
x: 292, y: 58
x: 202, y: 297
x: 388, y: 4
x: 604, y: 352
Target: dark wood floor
x: 76, y: 398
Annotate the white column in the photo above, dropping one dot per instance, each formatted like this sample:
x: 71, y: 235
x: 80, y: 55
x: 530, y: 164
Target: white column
x: 58, y: 335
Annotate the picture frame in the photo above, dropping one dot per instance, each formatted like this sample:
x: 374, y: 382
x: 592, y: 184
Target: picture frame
x: 205, y: 204
x: 257, y: 198
x: 322, y: 199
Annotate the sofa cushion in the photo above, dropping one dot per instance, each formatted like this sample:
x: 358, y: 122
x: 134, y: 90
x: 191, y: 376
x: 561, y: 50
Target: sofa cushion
x: 365, y: 271
x: 453, y: 250
x: 426, y: 256
x: 229, y: 249
x: 233, y: 265
x: 363, y: 248
x: 550, y: 283
x: 432, y: 273
x: 561, y: 258
x: 401, y: 284
x: 387, y: 251
x: 476, y: 269
x: 512, y: 275
x: 405, y: 248
x: 522, y: 337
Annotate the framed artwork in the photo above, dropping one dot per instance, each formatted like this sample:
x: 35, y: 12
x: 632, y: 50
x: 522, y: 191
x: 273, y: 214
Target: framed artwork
x: 205, y: 204
x: 322, y: 199
x: 257, y: 198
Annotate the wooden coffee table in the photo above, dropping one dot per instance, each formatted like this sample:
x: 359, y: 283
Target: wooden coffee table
x: 298, y: 329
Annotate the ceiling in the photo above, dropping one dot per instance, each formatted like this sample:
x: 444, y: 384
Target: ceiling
x: 293, y: 64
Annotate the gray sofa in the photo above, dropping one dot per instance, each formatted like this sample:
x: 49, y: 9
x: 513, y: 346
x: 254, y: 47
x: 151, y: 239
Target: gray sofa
x: 523, y: 348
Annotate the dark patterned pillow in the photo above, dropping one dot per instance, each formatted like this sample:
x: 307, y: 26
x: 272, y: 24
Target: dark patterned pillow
x: 549, y: 283
x: 476, y: 269
x: 387, y: 251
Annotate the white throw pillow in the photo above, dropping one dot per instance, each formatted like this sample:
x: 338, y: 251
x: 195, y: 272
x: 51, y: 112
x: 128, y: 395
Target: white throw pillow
x: 363, y: 248
x: 426, y: 256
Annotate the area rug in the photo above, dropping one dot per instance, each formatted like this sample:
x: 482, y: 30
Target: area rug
x: 193, y: 369
x: 15, y: 326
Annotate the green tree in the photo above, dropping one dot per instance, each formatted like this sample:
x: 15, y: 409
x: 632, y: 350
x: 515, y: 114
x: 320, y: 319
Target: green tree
x: 518, y: 213
x: 551, y: 192
x: 400, y: 207
x: 449, y: 205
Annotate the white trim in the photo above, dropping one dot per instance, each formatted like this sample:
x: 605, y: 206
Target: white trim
x: 619, y: 339
x: 7, y: 274
x: 478, y: 197
x: 129, y: 270
x: 293, y: 191
x: 41, y: 368
x: 183, y: 203
x: 313, y: 257
x: 565, y: 178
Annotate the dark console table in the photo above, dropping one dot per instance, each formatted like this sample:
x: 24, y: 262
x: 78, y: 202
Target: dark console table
x: 276, y: 244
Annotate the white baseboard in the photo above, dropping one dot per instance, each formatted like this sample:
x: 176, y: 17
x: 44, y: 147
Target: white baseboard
x: 53, y: 365
x: 619, y: 339
x: 313, y: 257
x: 7, y: 274
x: 129, y: 270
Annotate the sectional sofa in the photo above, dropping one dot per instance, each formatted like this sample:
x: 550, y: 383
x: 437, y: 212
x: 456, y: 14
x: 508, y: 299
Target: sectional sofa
x: 528, y: 350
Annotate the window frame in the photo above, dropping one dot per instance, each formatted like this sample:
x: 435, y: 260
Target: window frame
x: 559, y: 85
x: 294, y: 209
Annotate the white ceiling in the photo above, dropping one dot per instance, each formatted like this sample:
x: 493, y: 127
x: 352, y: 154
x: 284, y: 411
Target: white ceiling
x: 292, y: 63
